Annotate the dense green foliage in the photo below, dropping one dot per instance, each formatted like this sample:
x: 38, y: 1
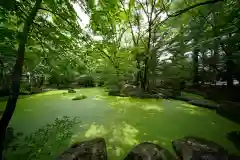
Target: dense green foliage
x: 136, y: 45
x: 138, y: 42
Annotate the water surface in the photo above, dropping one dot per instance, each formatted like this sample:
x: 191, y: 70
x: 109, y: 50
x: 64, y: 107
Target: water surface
x: 122, y: 121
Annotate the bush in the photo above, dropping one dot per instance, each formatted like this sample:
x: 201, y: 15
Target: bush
x: 35, y: 90
x: 4, y: 90
x: 24, y: 91
x: 113, y: 90
x: 86, y: 81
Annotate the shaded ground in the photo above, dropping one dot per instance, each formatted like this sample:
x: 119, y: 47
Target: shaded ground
x: 234, y: 136
x: 122, y: 121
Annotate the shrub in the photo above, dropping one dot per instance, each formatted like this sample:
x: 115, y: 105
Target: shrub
x: 86, y: 81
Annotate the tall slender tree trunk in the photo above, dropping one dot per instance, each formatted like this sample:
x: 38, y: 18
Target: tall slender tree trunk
x: 195, y: 67
x: 16, y: 76
x: 229, y: 64
x: 138, y: 74
x: 146, y: 61
x: 230, y: 67
x: 145, y: 74
x: 1, y: 72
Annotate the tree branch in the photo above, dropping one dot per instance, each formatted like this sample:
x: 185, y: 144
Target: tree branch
x: 133, y: 37
x: 145, y: 11
x: 59, y: 16
x: 180, y: 12
x: 177, y: 13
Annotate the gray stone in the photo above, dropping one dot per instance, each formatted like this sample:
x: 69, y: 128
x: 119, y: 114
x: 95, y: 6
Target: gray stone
x: 194, y: 148
x: 71, y: 91
x: 88, y: 150
x: 149, y: 151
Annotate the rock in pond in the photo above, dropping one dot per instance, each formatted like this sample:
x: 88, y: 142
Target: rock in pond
x: 149, y: 151
x: 71, y: 91
x: 88, y: 150
x: 80, y: 97
x: 194, y: 148
x: 113, y: 92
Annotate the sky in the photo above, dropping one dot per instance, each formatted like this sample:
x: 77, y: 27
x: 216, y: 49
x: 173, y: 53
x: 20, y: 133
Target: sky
x: 85, y: 19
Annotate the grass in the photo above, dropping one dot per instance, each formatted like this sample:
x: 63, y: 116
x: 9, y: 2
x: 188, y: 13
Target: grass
x: 122, y: 121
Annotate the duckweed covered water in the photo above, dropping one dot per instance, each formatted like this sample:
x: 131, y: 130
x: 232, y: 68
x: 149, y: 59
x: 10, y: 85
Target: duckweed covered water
x: 122, y: 121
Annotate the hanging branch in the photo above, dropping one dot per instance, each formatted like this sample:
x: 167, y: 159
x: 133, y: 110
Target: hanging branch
x: 60, y: 16
x: 130, y: 24
x: 177, y: 13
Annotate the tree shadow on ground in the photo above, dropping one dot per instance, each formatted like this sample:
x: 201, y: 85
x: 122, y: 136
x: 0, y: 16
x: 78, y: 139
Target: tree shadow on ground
x: 234, y: 137
x: 230, y: 112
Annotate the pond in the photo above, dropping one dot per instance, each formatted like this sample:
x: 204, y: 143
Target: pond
x: 122, y: 121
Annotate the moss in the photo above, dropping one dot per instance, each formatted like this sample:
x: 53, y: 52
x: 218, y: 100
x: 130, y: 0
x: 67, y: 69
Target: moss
x: 80, y: 97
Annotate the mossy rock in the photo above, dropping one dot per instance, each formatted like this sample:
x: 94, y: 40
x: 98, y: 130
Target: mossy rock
x: 80, y: 97
x: 71, y: 91
x: 198, y: 148
x: 64, y: 93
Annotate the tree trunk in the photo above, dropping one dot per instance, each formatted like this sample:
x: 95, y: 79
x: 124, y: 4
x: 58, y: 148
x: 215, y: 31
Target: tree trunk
x: 152, y: 69
x: 195, y: 67
x: 230, y: 67
x: 138, y: 75
x: 229, y: 64
x: 1, y: 73
x: 145, y: 75
x: 16, y: 76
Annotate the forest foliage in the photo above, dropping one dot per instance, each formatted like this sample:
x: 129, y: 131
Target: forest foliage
x: 145, y: 43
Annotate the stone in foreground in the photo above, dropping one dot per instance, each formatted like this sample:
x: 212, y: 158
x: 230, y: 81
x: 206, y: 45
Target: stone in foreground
x: 149, y: 151
x: 194, y: 148
x: 88, y: 150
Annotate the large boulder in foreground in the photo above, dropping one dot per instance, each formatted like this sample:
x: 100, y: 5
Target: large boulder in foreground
x: 193, y: 148
x: 149, y: 151
x: 88, y: 150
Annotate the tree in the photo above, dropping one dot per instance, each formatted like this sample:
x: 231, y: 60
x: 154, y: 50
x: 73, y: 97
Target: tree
x: 17, y: 71
x: 33, y: 23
